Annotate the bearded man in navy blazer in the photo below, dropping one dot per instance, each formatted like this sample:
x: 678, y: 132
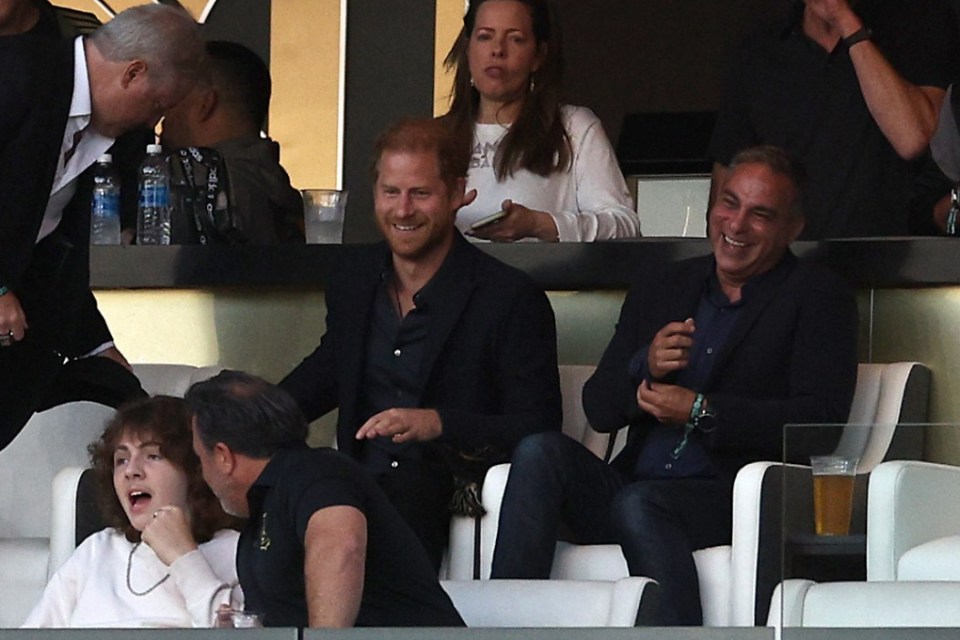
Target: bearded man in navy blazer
x: 62, y: 105
x: 710, y: 359
x: 439, y: 357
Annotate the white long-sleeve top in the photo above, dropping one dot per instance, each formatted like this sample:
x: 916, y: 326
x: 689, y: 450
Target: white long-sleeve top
x: 90, y: 589
x: 589, y: 201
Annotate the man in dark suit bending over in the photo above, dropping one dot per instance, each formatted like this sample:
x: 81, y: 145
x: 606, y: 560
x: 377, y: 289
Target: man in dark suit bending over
x: 711, y: 358
x: 439, y: 357
x: 62, y: 105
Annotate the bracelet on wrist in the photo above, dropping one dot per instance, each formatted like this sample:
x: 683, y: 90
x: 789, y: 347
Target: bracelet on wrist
x: 695, y: 410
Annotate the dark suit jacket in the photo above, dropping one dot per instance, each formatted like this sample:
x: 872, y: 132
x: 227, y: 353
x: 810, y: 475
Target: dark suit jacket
x: 791, y: 358
x: 50, y: 279
x: 490, y: 366
x: 37, y: 79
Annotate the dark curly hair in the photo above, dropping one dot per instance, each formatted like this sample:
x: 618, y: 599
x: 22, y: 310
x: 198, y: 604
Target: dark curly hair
x: 167, y: 421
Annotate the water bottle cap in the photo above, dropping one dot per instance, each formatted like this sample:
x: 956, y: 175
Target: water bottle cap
x: 105, y: 159
x: 154, y: 149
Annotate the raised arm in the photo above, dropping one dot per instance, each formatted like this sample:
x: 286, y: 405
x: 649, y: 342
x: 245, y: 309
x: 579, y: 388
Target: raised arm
x: 906, y: 113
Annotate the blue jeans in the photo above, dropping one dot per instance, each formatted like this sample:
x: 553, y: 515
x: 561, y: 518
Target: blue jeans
x: 555, y: 481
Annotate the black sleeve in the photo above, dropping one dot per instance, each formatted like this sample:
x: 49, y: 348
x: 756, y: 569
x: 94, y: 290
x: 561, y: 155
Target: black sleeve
x: 610, y: 395
x: 314, y: 382
x: 527, y: 377
x: 928, y: 188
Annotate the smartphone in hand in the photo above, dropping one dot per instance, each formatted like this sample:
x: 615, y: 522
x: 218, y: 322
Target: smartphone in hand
x: 484, y: 222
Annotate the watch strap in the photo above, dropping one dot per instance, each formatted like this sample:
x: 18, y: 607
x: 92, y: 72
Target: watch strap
x: 861, y: 34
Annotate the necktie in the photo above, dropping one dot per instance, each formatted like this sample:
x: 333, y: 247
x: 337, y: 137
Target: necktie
x: 73, y: 147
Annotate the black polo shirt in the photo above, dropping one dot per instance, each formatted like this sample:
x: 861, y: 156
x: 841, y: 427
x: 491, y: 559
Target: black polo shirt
x: 786, y: 90
x: 400, y: 587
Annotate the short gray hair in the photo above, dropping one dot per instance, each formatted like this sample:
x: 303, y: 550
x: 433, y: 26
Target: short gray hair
x: 779, y: 162
x: 164, y: 37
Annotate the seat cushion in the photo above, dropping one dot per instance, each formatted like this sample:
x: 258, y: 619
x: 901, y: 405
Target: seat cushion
x: 589, y: 562
x: 548, y: 603
x: 935, y: 560
x: 23, y: 575
x: 715, y: 576
x: 882, y: 604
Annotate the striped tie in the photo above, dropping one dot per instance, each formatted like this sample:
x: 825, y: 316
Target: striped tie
x: 73, y: 147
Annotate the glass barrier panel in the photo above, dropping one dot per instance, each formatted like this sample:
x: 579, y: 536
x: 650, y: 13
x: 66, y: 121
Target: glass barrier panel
x: 847, y: 502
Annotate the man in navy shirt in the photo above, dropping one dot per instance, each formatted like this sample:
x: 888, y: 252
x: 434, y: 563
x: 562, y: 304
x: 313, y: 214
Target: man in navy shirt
x: 711, y: 358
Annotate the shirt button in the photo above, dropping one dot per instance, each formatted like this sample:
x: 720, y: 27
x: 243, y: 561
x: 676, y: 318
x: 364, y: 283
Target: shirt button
x: 709, y: 350
x: 396, y: 352
x: 394, y: 464
x: 669, y: 465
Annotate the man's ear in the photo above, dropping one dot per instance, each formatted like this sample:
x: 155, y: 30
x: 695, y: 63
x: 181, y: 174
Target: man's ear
x: 224, y: 458
x: 207, y: 104
x: 799, y: 224
x: 134, y: 69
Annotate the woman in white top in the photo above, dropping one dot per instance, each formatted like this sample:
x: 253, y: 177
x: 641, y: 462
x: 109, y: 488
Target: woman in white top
x: 548, y: 167
x: 168, y: 560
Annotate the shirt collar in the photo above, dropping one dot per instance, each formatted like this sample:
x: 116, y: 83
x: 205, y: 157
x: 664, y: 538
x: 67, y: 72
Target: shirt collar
x: 451, y: 275
x: 274, y: 469
x: 761, y: 282
x: 81, y: 104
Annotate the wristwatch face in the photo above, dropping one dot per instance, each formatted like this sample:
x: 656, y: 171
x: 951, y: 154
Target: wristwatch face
x: 707, y: 420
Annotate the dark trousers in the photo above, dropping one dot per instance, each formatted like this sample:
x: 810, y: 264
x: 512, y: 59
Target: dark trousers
x: 421, y: 492
x: 555, y: 481
x: 40, y: 371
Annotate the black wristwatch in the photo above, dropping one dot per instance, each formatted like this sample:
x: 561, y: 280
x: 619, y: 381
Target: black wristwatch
x: 861, y: 34
x: 702, y: 416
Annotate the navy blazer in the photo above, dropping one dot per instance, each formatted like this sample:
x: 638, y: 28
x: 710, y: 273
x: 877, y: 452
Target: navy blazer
x: 790, y: 359
x: 489, y: 369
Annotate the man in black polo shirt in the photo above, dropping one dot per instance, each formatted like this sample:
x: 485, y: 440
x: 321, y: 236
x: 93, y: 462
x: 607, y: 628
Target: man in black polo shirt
x: 711, y: 357
x: 439, y: 357
x: 853, y: 92
x: 323, y: 547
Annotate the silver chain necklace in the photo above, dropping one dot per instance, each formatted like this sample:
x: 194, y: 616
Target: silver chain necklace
x: 130, y: 564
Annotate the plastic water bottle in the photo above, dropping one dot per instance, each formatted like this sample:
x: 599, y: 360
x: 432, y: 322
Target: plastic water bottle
x: 153, y: 215
x: 105, y: 204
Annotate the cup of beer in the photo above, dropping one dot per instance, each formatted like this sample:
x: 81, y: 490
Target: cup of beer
x: 833, y: 480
